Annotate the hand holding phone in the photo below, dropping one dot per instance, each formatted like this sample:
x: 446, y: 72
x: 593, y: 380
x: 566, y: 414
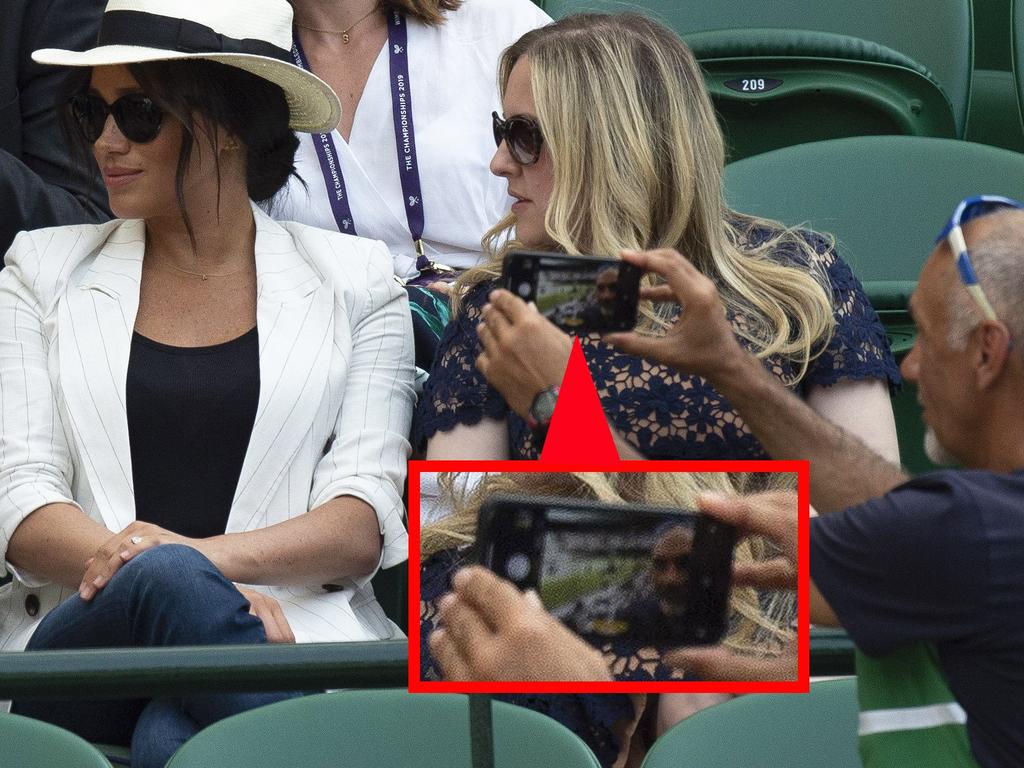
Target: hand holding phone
x: 577, y: 293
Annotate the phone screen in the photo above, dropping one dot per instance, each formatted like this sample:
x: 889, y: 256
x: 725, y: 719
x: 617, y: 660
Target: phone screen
x: 576, y: 293
x: 579, y: 298
x: 614, y: 573
x: 623, y: 581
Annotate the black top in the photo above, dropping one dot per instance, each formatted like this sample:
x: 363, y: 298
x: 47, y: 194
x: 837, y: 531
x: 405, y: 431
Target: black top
x: 190, y: 416
x: 939, y: 560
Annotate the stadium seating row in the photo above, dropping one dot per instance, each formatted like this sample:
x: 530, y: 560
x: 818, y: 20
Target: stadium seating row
x: 364, y: 729
x: 880, y: 196
x: 790, y: 72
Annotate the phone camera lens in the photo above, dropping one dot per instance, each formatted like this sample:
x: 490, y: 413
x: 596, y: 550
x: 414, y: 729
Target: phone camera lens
x: 517, y: 567
x: 524, y: 289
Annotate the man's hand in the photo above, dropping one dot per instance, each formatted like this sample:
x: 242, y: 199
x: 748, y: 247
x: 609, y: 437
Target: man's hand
x: 492, y: 631
x: 720, y: 663
x: 774, y: 515
x: 268, y: 610
x: 524, y: 352
x: 701, y: 341
x: 122, y: 547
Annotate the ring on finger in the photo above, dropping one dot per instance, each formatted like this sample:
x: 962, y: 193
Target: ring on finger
x: 136, y: 540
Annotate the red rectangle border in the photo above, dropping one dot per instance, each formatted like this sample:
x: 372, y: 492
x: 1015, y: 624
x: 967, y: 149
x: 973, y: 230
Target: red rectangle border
x: 800, y: 685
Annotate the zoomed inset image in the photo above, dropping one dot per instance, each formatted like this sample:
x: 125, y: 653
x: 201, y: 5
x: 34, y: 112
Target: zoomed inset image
x: 602, y: 577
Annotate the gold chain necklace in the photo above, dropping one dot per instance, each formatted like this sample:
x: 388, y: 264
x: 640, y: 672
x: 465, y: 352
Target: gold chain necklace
x: 206, y: 275
x: 344, y: 33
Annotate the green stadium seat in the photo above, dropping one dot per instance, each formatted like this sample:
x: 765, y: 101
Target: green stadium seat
x: 817, y: 730
x: 916, y: 47
x: 995, y: 116
x: 369, y: 729
x: 777, y: 87
x: 884, y: 198
x: 994, y: 113
x: 28, y: 743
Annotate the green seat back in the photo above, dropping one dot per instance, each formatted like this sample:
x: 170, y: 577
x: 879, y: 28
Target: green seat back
x: 28, y: 743
x: 995, y: 116
x: 816, y: 730
x: 934, y: 33
x: 370, y: 729
x: 885, y: 198
x: 777, y: 87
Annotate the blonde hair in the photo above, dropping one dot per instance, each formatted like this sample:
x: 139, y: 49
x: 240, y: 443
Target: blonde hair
x: 755, y: 626
x: 637, y: 156
x: 430, y: 12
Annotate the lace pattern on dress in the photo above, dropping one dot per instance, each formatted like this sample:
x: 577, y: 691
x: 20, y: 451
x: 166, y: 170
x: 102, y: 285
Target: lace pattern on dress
x: 665, y: 414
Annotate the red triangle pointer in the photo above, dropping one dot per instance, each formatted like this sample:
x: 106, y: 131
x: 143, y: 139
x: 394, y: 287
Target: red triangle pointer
x: 579, y: 430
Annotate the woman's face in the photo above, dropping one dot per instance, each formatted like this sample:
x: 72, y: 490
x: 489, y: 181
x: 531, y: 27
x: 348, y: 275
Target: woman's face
x: 139, y: 176
x: 531, y: 185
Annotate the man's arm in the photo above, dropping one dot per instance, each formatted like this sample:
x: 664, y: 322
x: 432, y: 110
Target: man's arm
x: 844, y: 471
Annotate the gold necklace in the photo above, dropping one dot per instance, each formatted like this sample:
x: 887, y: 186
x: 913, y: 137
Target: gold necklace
x: 206, y: 275
x: 344, y: 33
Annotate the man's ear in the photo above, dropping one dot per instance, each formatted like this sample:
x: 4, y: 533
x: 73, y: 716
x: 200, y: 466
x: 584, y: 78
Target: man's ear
x: 993, y: 342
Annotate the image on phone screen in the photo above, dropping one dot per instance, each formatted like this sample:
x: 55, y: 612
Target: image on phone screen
x: 579, y: 299
x: 641, y: 575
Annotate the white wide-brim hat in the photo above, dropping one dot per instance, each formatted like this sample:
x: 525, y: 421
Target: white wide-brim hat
x: 254, y: 35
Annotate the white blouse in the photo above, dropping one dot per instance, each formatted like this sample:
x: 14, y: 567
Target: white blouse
x: 453, y: 77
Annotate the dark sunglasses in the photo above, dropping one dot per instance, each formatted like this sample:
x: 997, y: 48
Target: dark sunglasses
x: 522, y: 136
x: 137, y: 116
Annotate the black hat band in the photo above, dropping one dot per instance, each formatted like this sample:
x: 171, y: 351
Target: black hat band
x: 150, y: 30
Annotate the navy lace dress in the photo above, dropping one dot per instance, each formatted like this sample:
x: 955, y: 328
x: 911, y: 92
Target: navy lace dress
x: 663, y: 413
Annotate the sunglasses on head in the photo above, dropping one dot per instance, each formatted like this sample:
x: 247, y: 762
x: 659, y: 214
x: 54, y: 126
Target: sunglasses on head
x: 521, y: 134
x: 137, y: 116
x: 968, y: 209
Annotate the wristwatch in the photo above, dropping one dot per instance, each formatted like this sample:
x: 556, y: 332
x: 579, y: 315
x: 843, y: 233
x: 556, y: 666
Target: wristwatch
x: 541, y: 411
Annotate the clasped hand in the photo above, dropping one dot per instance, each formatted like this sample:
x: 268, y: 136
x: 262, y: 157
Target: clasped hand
x: 140, y: 536
x: 121, y: 548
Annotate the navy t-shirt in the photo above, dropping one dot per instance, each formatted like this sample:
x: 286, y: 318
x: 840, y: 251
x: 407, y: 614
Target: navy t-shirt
x: 939, y: 559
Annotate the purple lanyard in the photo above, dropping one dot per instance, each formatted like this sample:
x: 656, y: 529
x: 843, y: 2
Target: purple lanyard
x: 405, y: 142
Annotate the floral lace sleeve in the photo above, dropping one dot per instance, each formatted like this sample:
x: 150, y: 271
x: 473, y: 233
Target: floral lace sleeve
x: 456, y: 392
x: 592, y: 717
x: 859, y: 348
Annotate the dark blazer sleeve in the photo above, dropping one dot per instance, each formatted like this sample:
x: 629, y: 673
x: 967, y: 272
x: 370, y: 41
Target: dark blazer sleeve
x: 40, y: 184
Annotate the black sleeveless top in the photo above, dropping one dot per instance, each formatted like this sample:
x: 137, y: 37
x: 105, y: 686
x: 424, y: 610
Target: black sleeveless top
x: 190, y: 417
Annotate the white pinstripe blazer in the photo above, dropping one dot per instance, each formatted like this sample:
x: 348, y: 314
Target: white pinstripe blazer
x: 335, y: 402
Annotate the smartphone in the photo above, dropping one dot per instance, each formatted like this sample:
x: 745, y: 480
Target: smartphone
x: 577, y: 293
x: 641, y: 575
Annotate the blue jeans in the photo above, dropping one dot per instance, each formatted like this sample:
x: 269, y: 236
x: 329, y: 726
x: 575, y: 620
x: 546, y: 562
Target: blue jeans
x: 169, y: 595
